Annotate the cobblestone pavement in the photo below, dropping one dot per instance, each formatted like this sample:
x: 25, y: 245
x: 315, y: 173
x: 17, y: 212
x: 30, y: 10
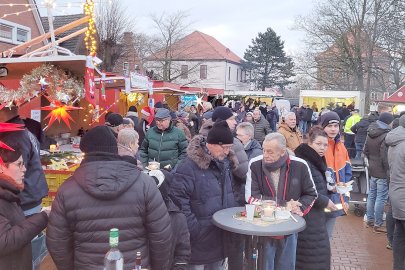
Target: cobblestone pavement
x: 354, y: 247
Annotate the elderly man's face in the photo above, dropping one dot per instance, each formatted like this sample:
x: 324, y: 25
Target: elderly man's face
x: 291, y: 121
x: 256, y: 115
x: 242, y: 136
x: 219, y: 151
x: 231, y: 121
x: 163, y: 124
x: 272, y: 151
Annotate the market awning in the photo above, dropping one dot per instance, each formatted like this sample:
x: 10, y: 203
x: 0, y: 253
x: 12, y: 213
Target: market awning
x: 203, y: 90
x: 17, y: 67
x: 397, y: 97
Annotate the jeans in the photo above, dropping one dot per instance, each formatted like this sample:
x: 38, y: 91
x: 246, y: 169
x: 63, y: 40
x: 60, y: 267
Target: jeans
x: 32, y: 211
x: 359, y: 149
x: 377, y: 197
x: 330, y: 226
x: 219, y: 265
x: 390, y: 221
x: 399, y: 245
x: 280, y: 254
x: 303, y: 127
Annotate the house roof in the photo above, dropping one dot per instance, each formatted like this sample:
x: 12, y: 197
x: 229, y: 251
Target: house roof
x: 199, y: 46
x: 73, y: 43
x: 397, y: 97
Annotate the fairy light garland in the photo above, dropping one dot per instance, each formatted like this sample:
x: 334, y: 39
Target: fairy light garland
x: 104, y: 112
x: 90, y: 35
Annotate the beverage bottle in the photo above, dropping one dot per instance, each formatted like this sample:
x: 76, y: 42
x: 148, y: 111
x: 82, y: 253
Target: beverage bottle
x: 114, y: 260
x: 138, y: 263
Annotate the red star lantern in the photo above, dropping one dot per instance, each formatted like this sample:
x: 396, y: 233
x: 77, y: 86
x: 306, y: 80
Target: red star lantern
x: 6, y: 127
x: 59, y: 111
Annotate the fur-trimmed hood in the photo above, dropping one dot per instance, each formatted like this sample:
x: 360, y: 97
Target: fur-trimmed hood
x: 198, y: 152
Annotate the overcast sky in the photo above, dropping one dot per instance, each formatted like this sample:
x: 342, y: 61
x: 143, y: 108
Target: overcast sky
x: 232, y: 22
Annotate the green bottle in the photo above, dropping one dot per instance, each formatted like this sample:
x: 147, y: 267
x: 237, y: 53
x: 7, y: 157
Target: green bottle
x: 114, y: 260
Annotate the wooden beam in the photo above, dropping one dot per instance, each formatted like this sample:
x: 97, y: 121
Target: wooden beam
x: 79, y: 32
x: 46, y: 36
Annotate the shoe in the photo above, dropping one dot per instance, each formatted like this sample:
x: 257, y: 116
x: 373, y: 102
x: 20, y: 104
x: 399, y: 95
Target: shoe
x: 369, y: 224
x: 389, y: 246
x: 379, y: 229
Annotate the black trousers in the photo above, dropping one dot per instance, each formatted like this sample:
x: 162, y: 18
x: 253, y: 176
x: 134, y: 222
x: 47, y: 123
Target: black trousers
x: 399, y: 245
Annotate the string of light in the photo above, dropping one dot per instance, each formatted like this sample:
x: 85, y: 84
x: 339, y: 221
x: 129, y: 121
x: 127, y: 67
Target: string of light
x: 90, y: 35
x: 17, y: 13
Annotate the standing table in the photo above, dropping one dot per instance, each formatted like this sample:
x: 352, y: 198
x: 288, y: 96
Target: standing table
x: 224, y: 220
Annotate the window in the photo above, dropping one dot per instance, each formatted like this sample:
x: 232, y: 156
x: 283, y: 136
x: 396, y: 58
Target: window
x: 6, y: 31
x: 229, y: 73
x: 13, y: 33
x: 22, y: 35
x: 125, y: 69
x: 237, y: 74
x: 203, y: 72
x: 184, y: 72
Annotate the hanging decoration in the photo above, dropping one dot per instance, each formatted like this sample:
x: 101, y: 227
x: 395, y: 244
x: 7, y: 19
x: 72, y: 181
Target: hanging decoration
x: 59, y: 111
x: 6, y: 127
x: 89, y: 83
x: 90, y: 35
x: 47, y: 80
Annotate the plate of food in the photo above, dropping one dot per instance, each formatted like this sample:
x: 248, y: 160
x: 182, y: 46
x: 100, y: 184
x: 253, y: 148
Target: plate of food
x: 282, y: 213
x: 343, y: 187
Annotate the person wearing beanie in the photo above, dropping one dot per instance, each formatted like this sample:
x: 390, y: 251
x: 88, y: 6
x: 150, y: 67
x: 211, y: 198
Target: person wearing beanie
x: 204, y: 179
x: 163, y: 143
x: 102, y: 194
x: 395, y: 141
x: 145, y: 122
x: 278, y: 176
x: 16, y: 230
x: 133, y: 115
x: 114, y: 122
x: 339, y: 167
x: 375, y: 150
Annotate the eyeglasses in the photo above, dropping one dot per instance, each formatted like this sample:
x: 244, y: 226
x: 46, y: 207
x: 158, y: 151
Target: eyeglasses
x: 226, y: 147
x: 162, y: 120
x: 19, y: 164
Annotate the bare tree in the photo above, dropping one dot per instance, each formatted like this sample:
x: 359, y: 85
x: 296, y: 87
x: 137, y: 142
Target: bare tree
x: 345, y: 39
x: 112, y: 21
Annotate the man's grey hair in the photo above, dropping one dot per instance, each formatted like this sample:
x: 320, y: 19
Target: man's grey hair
x: 290, y: 114
x: 247, y: 128
x: 278, y: 137
x: 127, y: 136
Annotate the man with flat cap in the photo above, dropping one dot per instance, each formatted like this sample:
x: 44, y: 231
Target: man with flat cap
x: 164, y: 142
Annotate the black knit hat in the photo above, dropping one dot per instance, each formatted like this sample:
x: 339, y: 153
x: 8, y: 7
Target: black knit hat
x: 220, y: 134
x: 99, y: 139
x: 115, y: 119
x: 221, y: 113
x: 329, y: 118
x: 386, y: 117
x: 132, y: 109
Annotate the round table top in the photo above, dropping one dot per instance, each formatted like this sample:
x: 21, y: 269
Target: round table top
x: 224, y: 220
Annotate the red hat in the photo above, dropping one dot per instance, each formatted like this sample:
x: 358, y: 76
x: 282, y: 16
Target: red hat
x: 148, y: 111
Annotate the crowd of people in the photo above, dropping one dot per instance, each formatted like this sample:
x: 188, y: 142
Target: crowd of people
x: 211, y: 159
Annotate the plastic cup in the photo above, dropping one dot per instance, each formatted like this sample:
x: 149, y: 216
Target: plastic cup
x: 250, y: 211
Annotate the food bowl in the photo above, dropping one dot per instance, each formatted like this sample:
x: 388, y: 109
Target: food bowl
x: 153, y: 165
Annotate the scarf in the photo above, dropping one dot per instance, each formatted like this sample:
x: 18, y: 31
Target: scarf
x: 277, y: 164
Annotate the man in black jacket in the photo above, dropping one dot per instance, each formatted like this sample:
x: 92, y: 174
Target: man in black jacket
x: 277, y: 176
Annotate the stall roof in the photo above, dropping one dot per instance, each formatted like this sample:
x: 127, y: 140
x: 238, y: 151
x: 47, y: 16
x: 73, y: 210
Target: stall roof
x: 203, y: 90
x: 17, y: 67
x: 251, y: 93
x: 397, y: 97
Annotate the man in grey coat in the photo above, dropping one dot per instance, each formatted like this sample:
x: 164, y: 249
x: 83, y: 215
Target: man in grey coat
x: 261, y: 125
x: 396, y: 159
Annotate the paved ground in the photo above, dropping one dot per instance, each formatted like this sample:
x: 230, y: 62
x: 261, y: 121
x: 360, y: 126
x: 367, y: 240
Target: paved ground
x: 354, y: 247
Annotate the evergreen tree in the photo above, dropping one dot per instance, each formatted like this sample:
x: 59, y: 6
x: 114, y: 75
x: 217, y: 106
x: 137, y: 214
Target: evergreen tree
x: 267, y: 61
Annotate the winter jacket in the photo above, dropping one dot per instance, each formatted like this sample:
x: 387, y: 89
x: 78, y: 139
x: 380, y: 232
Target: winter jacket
x: 395, y: 139
x: 313, y: 247
x: 308, y: 114
x: 241, y: 167
x: 273, y: 117
x: 338, y: 162
x: 106, y: 192
x: 134, y: 117
x: 35, y: 186
x: 201, y: 188
x: 376, y: 150
x: 360, y: 129
x: 293, y: 138
x: 253, y: 149
x: 351, y: 121
x: 262, y: 128
x: 16, y: 231
x: 180, y: 125
x: 295, y: 183
x: 167, y: 147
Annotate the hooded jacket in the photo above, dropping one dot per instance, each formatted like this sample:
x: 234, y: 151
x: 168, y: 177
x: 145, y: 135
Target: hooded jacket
x: 35, y: 186
x: 375, y: 150
x: 293, y: 138
x: 16, y: 231
x: 360, y: 129
x: 201, y: 188
x: 106, y: 192
x: 167, y: 146
x: 253, y: 149
x: 395, y: 139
